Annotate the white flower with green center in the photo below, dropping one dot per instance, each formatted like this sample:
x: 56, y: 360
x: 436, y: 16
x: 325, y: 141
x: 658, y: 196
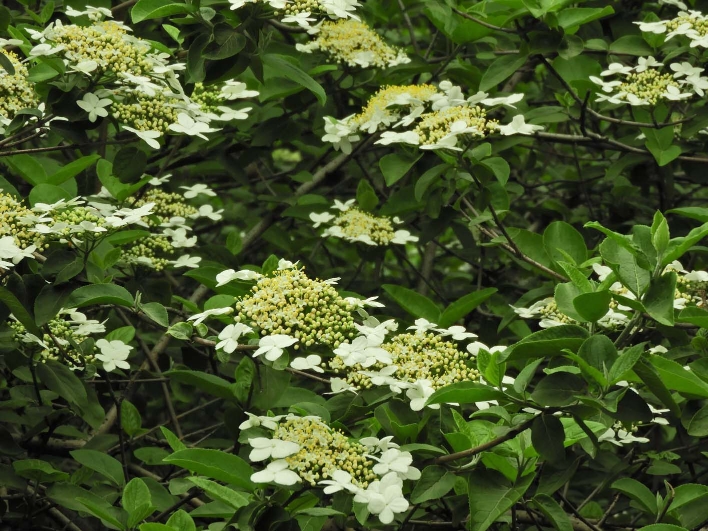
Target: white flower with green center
x: 518, y: 126
x: 392, y: 137
x: 341, y: 480
x: 319, y: 219
x: 189, y: 126
x: 149, y: 137
x: 113, y: 354
x: 236, y: 89
x: 276, y: 472
x: 45, y: 49
x: 418, y: 393
x: 230, y: 335
x: 264, y: 448
x: 186, y: 261
x: 254, y: 421
x: 458, y: 333
x: 422, y: 325
x: 374, y: 444
x: 94, y: 106
x: 230, y: 275
x: 272, y: 346
x: 84, y: 67
x: 10, y: 251
x: 196, y: 190
x: 384, y: 498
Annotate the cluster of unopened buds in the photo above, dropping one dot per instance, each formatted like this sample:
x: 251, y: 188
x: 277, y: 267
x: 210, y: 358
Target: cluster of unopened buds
x: 426, y: 116
x: 646, y: 84
x: 355, y: 225
x: 305, y: 449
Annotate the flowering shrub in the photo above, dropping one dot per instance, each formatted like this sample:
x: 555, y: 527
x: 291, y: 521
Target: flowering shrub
x: 333, y: 264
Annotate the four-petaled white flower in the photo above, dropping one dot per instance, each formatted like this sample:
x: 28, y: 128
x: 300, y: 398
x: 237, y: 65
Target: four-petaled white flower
x: 197, y: 189
x: 229, y: 275
x: 189, y: 126
x: 394, y: 460
x: 186, y: 261
x: 113, y: 354
x: 518, y: 126
x: 254, y: 421
x: 309, y: 363
x: 94, y: 106
x: 264, y: 448
x: 418, y: 393
x: 341, y: 480
x: 276, y: 472
x: 422, y: 325
x: 199, y: 317
x: 384, y: 498
x: 149, y: 137
x: 236, y: 89
x: 319, y: 219
x: 272, y: 346
x: 230, y: 335
x: 458, y: 333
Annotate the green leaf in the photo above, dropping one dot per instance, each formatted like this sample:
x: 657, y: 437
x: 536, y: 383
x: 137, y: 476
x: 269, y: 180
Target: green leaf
x: 676, y: 378
x: 209, y: 383
x: 112, y: 515
x: 558, y: 389
x: 48, y: 193
x: 553, y: 512
x: 546, y: 343
x: 19, y: 311
x: 72, y: 169
x: 102, y: 463
x: 135, y: 494
x: 491, y: 496
x: 593, y: 306
x: 99, y: 294
x: 625, y: 362
x: 427, y: 179
x: 651, y: 378
x: 38, y: 470
x: 221, y: 493
x: 157, y: 312
x: 175, y: 443
x: 130, y: 418
x: 638, y: 492
x: 181, y: 521
x: 27, y: 167
x: 502, y: 68
x: 464, y: 393
x: 63, y: 381
x: 561, y: 240
x: 697, y: 426
x: 280, y: 66
x: 413, y: 302
x: 463, y: 306
x: 149, y: 9
x: 366, y: 196
x: 624, y: 264
x: 499, y: 167
x: 6, y: 64
x: 659, y: 298
x: 662, y: 527
x: 215, y: 464
x: 570, y: 19
x: 679, y: 246
x: 547, y: 436
x: 394, y: 166
x: 434, y: 483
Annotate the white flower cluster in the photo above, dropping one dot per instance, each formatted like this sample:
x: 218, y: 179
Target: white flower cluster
x: 304, y: 12
x: 64, y: 340
x: 354, y: 225
x: 645, y: 84
x: 306, y: 449
x: 137, y: 84
x: 690, y: 24
x: 418, y: 363
x: 426, y: 116
x: 354, y: 43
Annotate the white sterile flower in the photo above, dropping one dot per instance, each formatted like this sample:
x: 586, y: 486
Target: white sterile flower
x: 394, y: 460
x: 340, y: 134
x: 340, y: 385
x: 422, y: 325
x: 142, y: 83
x: 658, y: 419
x: 84, y: 67
x: 276, y: 472
x: 458, y: 333
x: 157, y: 181
x: 518, y: 126
x: 229, y: 275
x: 659, y: 349
x: 319, y: 219
x: 45, y: 49
x: 197, y: 189
x: 10, y: 251
x: 386, y: 376
x: 384, y: 498
x: 374, y: 444
x: 207, y: 211
x: 277, y: 4
x: 189, y: 126
x: 698, y: 84
x: 392, y: 137
x: 402, y: 237
x: 475, y: 347
x: 341, y: 480
x: 10, y: 42
x: 309, y: 363
x: 232, y: 90
x: 365, y: 351
x: 620, y: 437
x: 682, y: 6
x: 653, y: 27
x: 675, y: 94
x: 228, y: 114
x: 362, y: 303
x: 286, y: 264
x: 236, y: 4
x: 87, y: 226
x: 418, y: 393
x: 264, y: 448
x: 179, y: 238
x: 601, y: 271
x: 343, y: 206
x: 149, y: 137
x: 643, y: 63
x: 616, y: 68
x: 113, y: 354
x: 230, y: 335
x: 503, y: 100
x: 697, y: 276
x: 375, y: 330
x: 302, y: 19
x: 340, y: 8
x: 680, y: 303
x: 254, y: 421
x: 272, y: 346
x: 186, y: 261
x: 94, y: 106
x: 199, y: 317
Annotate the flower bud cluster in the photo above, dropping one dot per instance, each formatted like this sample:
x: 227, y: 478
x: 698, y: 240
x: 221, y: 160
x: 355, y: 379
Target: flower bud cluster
x: 61, y: 342
x: 16, y: 91
x: 17, y: 220
x: 427, y: 116
x: 354, y: 43
x: 691, y: 286
x: 288, y: 302
x: 147, y: 113
x: 691, y: 24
